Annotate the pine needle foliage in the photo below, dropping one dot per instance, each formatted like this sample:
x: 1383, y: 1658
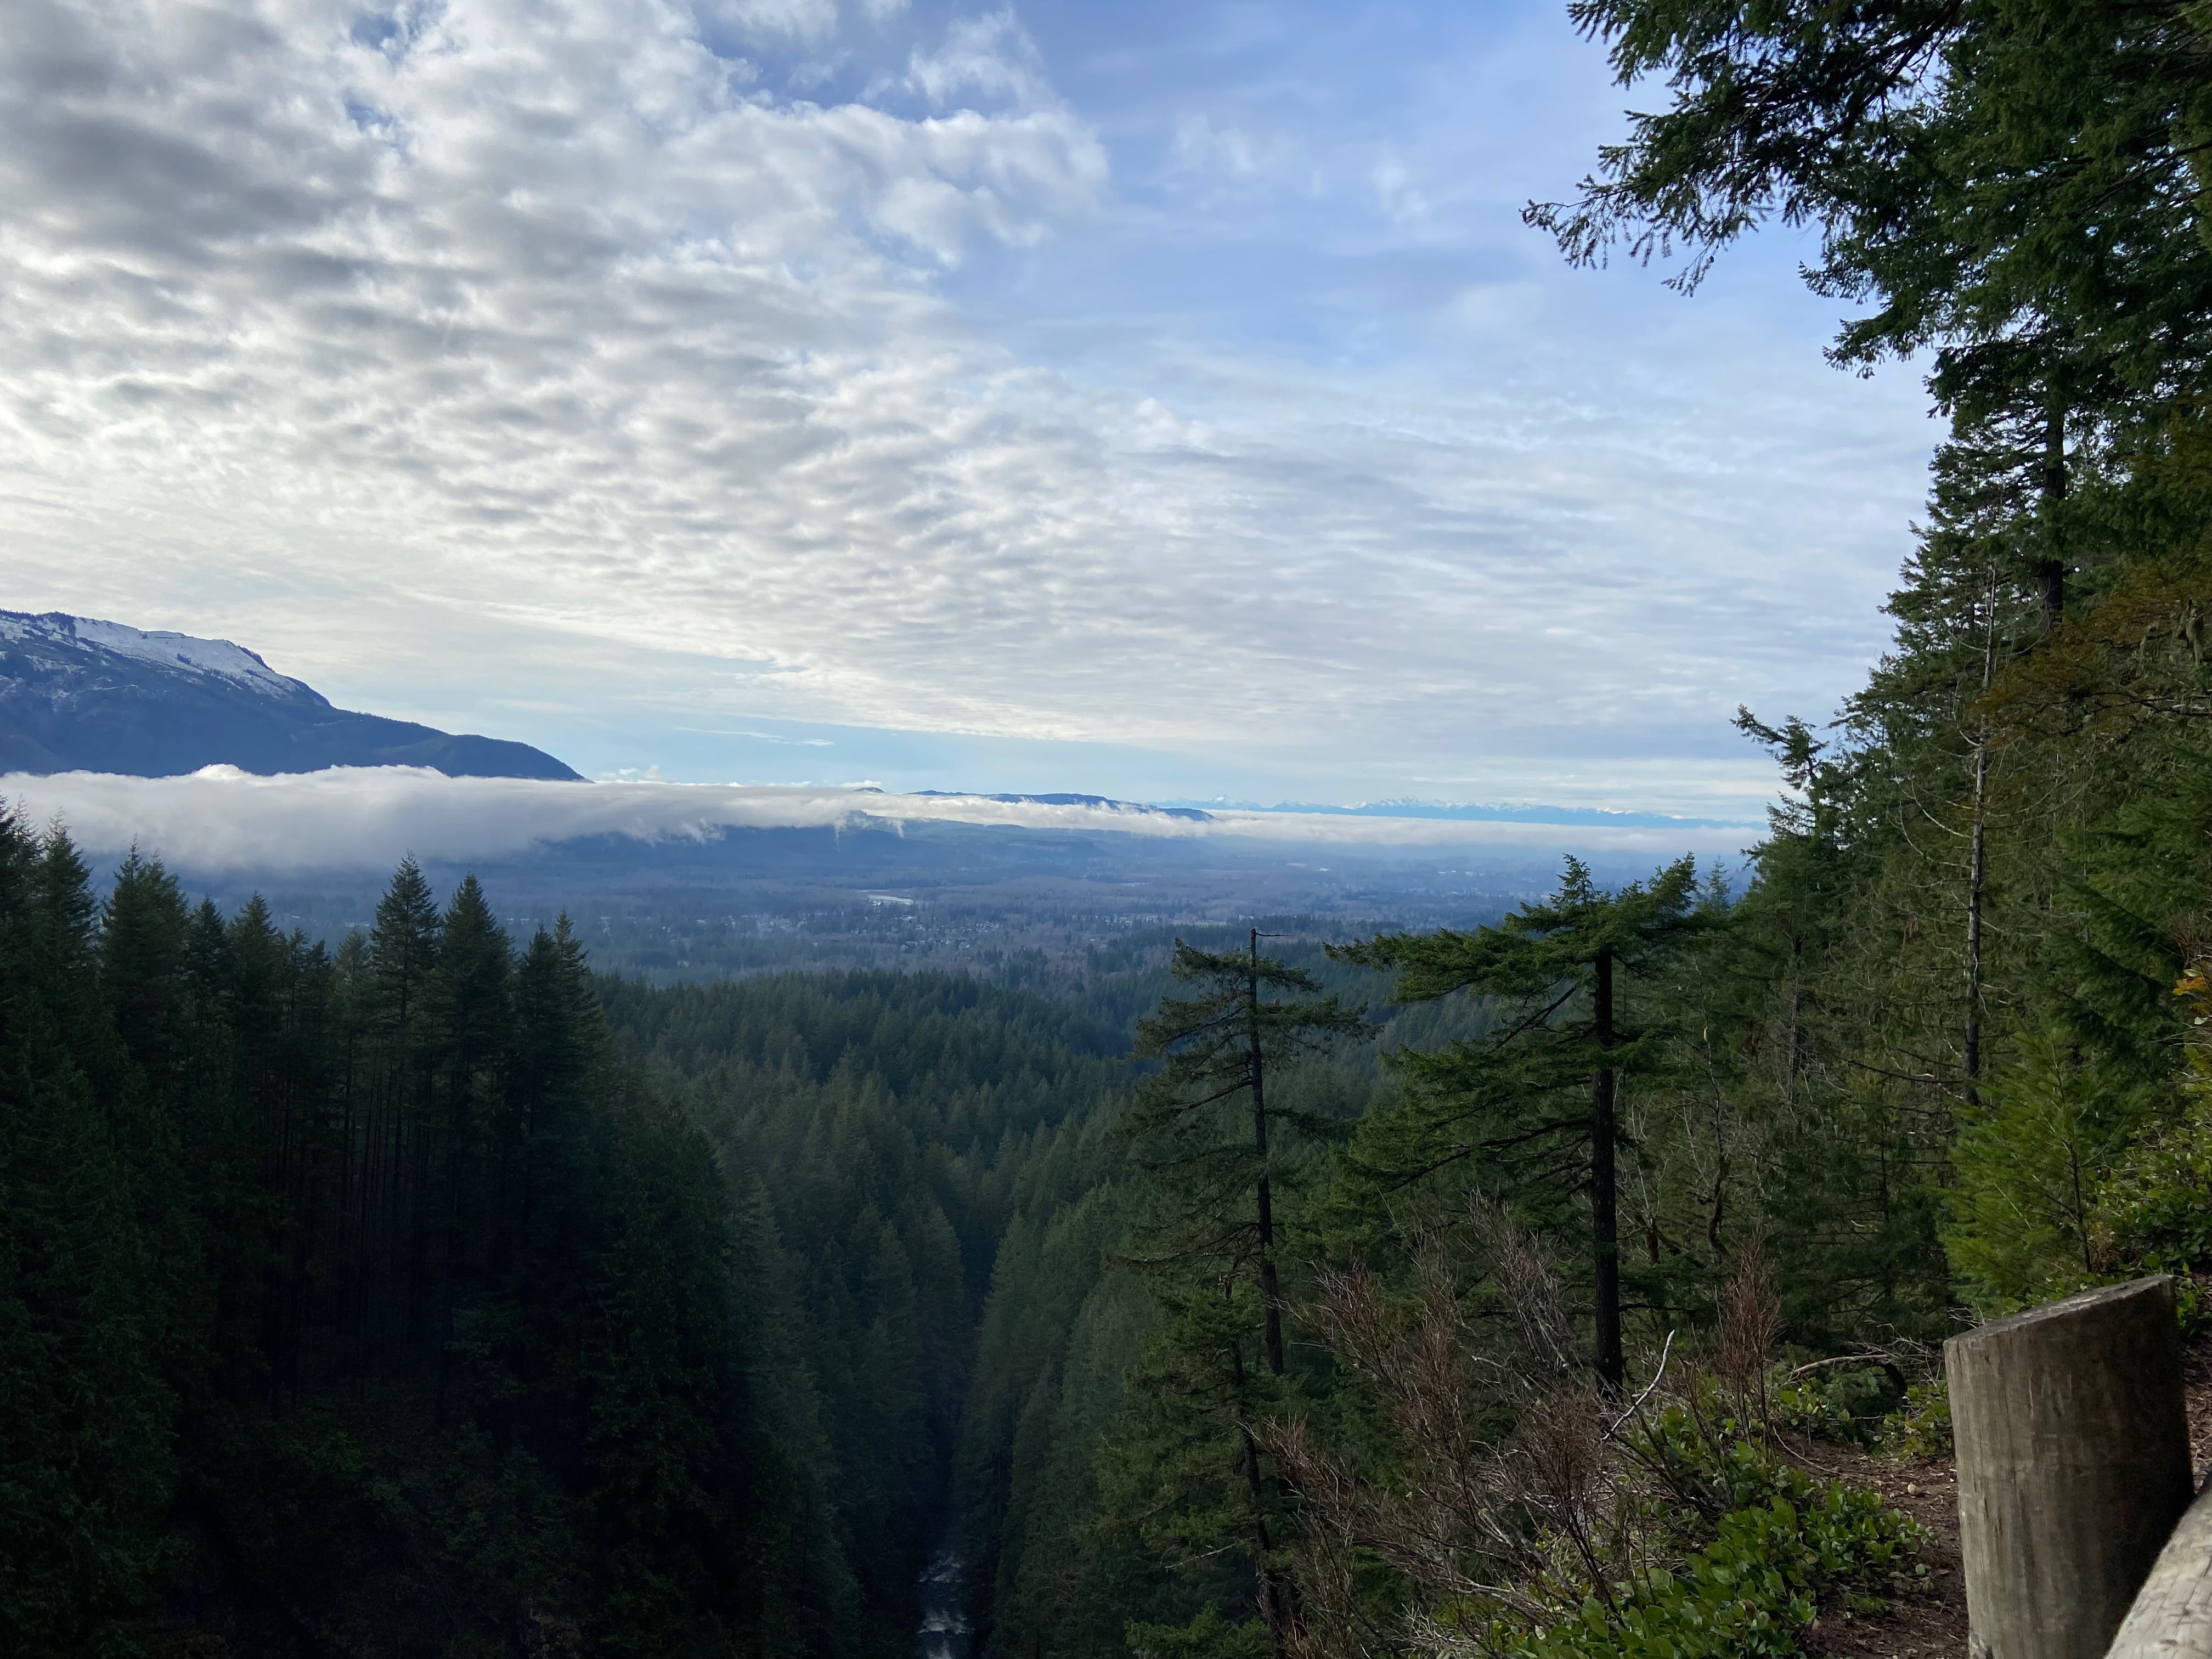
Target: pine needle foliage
x: 1532, y: 1108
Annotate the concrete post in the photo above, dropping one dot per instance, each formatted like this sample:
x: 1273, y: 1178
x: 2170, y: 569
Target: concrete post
x: 2073, y: 1466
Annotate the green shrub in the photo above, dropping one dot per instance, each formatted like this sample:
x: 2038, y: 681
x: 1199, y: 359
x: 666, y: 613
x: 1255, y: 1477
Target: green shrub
x: 1209, y: 1636
x: 1843, y: 1402
x: 1759, y: 1542
x: 1921, y: 1427
x: 2157, y: 1209
x: 2027, y: 1166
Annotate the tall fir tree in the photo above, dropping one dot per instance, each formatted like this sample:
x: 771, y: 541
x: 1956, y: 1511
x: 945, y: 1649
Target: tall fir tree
x: 1218, y: 1155
x: 1535, y: 1104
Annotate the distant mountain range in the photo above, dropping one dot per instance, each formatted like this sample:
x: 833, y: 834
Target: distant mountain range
x: 78, y: 694
x: 1099, y: 803
x: 1461, y: 812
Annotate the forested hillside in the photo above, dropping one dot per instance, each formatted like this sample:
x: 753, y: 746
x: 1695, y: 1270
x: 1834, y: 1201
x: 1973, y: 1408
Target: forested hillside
x: 429, y: 1296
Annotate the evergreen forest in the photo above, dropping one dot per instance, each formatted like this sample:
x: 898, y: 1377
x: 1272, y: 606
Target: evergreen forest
x: 1255, y: 1293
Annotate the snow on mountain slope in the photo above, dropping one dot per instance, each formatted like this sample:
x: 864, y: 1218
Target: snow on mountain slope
x: 218, y: 658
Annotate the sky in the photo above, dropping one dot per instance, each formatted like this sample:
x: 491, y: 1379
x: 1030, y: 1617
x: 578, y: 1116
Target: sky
x: 1161, y: 401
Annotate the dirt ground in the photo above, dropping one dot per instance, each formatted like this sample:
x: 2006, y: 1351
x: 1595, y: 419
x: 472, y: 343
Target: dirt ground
x: 1923, y: 1622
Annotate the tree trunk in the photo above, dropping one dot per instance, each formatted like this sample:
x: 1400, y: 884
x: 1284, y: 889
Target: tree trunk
x: 1267, y: 1581
x: 1978, y: 868
x: 1270, y: 1292
x: 1977, y: 875
x: 2050, y: 569
x: 1605, y: 1227
x: 1795, y: 1061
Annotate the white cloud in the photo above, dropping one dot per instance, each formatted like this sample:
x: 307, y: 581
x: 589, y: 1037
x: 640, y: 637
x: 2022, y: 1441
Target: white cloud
x: 992, y: 56
x: 763, y: 736
x: 805, y: 20
x: 1395, y: 190
x: 1205, y: 146
x: 223, y: 819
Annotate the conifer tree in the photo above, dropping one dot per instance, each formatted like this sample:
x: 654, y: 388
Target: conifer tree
x: 402, y: 947
x: 402, y: 957
x: 87, y: 1457
x: 142, y: 931
x: 2027, y: 1165
x: 1202, y: 1124
x: 547, y: 1136
x: 1205, y: 1131
x: 466, y: 998
x: 1535, y: 1104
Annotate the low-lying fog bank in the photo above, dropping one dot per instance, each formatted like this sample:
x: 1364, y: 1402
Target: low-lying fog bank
x: 223, y: 819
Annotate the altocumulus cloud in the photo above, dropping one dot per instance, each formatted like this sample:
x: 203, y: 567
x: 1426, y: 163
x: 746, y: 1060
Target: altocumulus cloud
x: 539, y: 308
x: 221, y: 818
x: 357, y: 331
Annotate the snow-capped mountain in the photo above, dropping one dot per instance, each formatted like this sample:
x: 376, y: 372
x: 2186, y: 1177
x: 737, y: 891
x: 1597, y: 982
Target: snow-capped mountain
x: 78, y: 693
x: 217, y: 657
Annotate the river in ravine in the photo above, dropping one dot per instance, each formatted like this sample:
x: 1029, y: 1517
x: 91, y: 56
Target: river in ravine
x: 943, y: 1632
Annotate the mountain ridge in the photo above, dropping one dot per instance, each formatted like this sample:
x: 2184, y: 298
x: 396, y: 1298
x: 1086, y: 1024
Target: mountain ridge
x: 80, y: 694
x: 1098, y: 803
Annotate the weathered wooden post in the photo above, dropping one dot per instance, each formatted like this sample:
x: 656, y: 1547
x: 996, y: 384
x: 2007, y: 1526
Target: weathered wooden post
x: 2073, y: 1466
x: 2171, y: 1618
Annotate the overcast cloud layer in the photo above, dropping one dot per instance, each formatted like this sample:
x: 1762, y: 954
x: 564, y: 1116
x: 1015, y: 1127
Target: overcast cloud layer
x: 721, y: 387
x: 223, y: 819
